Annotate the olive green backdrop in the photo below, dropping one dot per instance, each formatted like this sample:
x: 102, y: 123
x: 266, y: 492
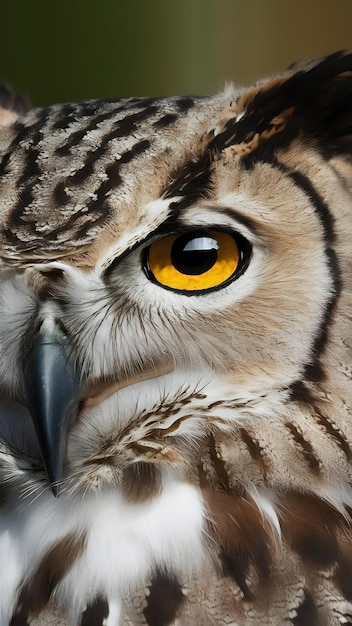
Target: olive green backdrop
x: 59, y: 51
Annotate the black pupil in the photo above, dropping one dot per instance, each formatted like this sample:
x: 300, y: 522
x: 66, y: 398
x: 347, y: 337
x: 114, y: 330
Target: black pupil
x: 194, y: 254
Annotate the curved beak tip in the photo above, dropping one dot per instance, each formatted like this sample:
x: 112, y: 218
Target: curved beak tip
x: 55, y: 489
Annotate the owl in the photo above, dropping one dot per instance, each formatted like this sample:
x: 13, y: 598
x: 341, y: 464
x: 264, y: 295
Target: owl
x: 175, y: 340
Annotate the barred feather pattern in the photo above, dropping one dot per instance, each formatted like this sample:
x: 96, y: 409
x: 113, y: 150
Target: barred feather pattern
x: 207, y: 467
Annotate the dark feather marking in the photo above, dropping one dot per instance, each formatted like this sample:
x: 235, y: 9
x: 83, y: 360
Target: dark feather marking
x: 326, y: 218
x: 164, y: 599
x: 241, y: 533
x: 60, y: 195
x: 25, y: 198
x: 66, y: 115
x: 235, y: 564
x: 334, y: 433
x: 191, y: 181
x: 307, y: 614
x: 24, y: 133
x: 77, y: 136
x: 29, y: 176
x: 165, y: 120
x: 305, y: 446
x: 84, y: 172
x: 21, y: 131
x: 123, y: 128
x: 71, y: 112
x: 95, y: 613
x: 98, y: 210
x: 141, y: 481
x: 31, y: 168
x: 233, y: 214
x: 55, y: 564
x: 137, y: 149
x: 98, y: 207
x: 327, y: 222
x: 99, y: 203
x: 310, y: 527
x: 254, y: 449
x: 299, y: 392
x: 313, y: 370
x: 142, y: 102
x: 219, y: 465
x: 186, y: 102
x: 11, y: 237
x: 20, y: 619
x: 322, y: 210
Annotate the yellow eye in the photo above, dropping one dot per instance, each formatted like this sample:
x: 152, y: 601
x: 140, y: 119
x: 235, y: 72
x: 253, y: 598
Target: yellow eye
x: 194, y: 262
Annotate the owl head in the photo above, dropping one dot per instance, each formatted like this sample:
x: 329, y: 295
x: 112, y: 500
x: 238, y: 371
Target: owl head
x: 168, y: 267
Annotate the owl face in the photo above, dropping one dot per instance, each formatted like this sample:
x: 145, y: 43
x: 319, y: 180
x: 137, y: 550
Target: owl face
x: 207, y: 285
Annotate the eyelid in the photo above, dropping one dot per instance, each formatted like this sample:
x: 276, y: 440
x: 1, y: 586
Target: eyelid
x: 176, y: 229
x: 222, y: 217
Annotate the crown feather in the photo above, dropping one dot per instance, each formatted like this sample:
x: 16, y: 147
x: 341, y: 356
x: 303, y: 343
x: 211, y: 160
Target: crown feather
x: 313, y: 102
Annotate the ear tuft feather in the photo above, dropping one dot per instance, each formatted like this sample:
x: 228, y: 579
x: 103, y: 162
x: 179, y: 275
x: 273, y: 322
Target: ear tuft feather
x: 313, y: 102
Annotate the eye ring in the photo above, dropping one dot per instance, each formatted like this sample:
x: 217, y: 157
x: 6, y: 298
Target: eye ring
x: 198, y: 261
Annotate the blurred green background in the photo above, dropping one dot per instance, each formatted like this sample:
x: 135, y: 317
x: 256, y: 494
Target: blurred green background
x: 59, y: 51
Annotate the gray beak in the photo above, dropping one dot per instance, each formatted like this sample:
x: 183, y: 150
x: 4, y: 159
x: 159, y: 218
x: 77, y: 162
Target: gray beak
x: 52, y: 394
